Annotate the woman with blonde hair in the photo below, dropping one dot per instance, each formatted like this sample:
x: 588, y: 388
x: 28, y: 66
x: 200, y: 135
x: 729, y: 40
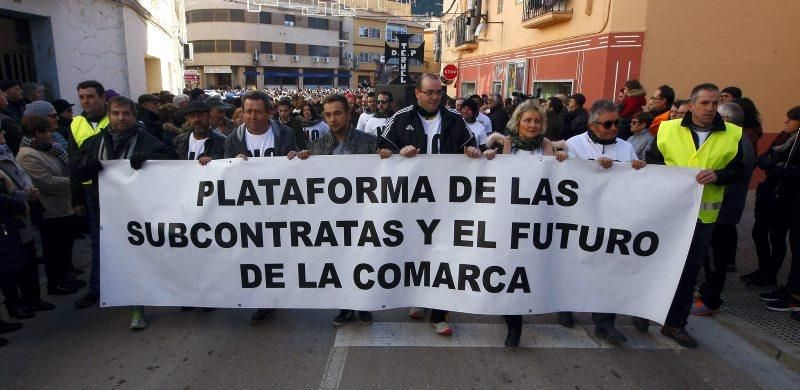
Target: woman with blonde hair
x: 526, y: 136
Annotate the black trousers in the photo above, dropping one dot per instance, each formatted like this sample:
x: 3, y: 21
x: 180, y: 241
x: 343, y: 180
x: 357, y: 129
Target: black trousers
x: 684, y: 295
x: 769, y: 237
x: 23, y: 289
x: 724, y: 240
x: 793, y: 282
x: 57, y: 241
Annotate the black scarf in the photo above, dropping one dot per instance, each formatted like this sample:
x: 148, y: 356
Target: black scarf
x: 530, y: 145
x: 599, y: 141
x: 53, y: 149
x: 426, y: 114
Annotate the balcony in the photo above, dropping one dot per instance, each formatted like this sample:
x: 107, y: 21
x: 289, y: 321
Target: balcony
x: 542, y: 13
x: 465, y: 37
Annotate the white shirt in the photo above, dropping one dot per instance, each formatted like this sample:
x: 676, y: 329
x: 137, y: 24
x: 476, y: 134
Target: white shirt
x: 376, y: 126
x: 581, y: 147
x: 477, y: 130
x: 702, y: 136
x: 362, y: 121
x: 261, y: 145
x: 433, y: 130
x: 487, y: 123
x: 196, y: 147
x: 316, y: 131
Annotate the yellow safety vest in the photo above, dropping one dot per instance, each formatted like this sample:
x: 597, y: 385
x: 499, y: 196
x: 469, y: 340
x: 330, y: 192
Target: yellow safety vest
x: 82, y: 129
x: 677, y: 146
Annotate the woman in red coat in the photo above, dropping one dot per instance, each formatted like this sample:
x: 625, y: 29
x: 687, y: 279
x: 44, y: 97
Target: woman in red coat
x: 634, y: 99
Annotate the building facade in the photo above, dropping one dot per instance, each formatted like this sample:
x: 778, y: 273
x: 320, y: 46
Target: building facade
x: 594, y: 46
x: 131, y: 46
x: 276, y: 47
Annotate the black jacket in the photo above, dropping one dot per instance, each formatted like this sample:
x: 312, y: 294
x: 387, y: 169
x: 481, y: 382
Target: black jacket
x: 214, y: 146
x: 98, y: 148
x: 357, y: 142
x: 296, y: 124
x: 284, y: 141
x: 12, y: 256
x: 12, y: 129
x: 575, y: 122
x: 499, y: 118
x: 732, y: 172
x: 150, y: 121
x: 405, y: 128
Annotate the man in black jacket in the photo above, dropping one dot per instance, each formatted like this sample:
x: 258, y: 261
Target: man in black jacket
x: 497, y: 113
x: 427, y: 127
x: 202, y: 143
x: 576, y: 117
x: 125, y: 139
x: 147, y: 114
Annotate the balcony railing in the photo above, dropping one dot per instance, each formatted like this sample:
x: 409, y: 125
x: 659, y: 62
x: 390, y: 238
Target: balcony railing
x: 542, y: 13
x: 465, y: 39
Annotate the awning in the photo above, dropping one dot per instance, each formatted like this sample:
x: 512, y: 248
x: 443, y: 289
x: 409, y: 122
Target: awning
x: 319, y: 75
x: 217, y: 69
x: 281, y: 74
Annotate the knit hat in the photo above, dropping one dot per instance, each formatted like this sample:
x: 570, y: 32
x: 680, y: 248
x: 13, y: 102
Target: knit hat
x: 61, y: 105
x: 110, y: 93
x: 40, y: 108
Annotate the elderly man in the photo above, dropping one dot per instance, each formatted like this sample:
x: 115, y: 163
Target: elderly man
x: 370, y: 107
x: 259, y: 137
x: 217, y: 119
x: 342, y: 139
x: 16, y: 102
x: 427, y: 127
x: 700, y: 140
x: 724, y: 238
x: 497, y: 113
x: 125, y: 139
x: 601, y: 144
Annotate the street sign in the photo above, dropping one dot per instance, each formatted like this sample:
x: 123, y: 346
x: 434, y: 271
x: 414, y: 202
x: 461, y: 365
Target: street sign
x: 450, y: 72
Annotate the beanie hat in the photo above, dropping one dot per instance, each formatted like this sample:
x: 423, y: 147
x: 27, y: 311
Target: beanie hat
x: 40, y: 108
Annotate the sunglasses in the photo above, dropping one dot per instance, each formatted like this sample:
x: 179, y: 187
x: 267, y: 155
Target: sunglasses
x: 607, y: 124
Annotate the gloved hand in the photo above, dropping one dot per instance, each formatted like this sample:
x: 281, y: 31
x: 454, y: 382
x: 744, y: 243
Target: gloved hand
x: 137, y: 160
x: 89, y: 167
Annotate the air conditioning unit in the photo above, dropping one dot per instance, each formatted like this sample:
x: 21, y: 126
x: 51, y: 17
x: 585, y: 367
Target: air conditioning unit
x: 188, y: 51
x: 273, y: 57
x: 326, y: 60
x: 349, y: 56
x: 315, y: 59
x: 295, y: 58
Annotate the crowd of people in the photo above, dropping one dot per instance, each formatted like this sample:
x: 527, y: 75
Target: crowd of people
x: 50, y: 159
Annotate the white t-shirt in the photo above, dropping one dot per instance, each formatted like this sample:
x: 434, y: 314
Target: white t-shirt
x: 433, y: 131
x: 477, y: 130
x: 487, y: 123
x: 581, y: 147
x: 376, y: 126
x: 261, y: 145
x: 362, y: 121
x: 196, y: 147
x: 316, y: 131
x: 702, y: 136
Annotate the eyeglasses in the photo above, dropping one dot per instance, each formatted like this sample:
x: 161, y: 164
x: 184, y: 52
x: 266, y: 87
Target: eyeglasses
x: 383, y: 101
x: 607, y: 124
x: 433, y: 92
x: 655, y: 97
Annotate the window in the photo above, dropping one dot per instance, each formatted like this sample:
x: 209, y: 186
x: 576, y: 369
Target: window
x: 553, y: 87
x: 220, y: 15
x: 497, y: 87
x: 363, y: 32
x: 266, y: 47
x: 189, y: 15
x: 467, y: 89
x: 288, y: 20
x: 499, y: 7
x: 318, y: 23
x: 223, y: 46
x: 375, y: 33
x: 391, y: 29
x: 237, y: 47
x: 416, y: 39
x: 264, y: 17
x: 319, y: 51
x: 203, y: 15
x: 369, y: 57
x: 237, y: 15
x: 203, y: 46
x: 291, y: 49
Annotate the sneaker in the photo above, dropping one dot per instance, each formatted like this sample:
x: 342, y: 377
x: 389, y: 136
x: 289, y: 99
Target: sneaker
x: 566, y: 319
x: 261, y: 315
x: 343, y: 317
x: 513, y: 336
x: 679, y: 335
x: 417, y: 313
x: 785, y: 304
x: 700, y: 309
x: 138, y: 320
x: 443, y: 328
x: 365, y: 317
x: 641, y: 324
x: 610, y: 334
x: 752, y: 275
x: 90, y: 299
x: 774, y: 295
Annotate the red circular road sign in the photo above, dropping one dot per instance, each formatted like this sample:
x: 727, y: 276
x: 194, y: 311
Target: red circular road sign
x: 450, y: 72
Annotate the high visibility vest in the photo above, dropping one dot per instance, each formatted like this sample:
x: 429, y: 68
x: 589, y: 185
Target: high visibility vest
x: 82, y: 129
x: 677, y: 146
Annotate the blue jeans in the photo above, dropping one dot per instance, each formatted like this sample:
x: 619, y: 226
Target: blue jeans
x: 93, y: 215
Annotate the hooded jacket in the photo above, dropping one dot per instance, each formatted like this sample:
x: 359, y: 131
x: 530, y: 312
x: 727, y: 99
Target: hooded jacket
x: 632, y: 103
x: 235, y: 143
x: 405, y: 128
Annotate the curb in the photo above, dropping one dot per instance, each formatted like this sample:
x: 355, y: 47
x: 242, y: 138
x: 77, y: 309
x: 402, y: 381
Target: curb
x: 771, y: 346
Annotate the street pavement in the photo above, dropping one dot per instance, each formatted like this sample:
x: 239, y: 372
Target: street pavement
x: 93, y: 348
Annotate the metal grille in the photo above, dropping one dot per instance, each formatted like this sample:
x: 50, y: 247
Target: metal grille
x: 534, y: 8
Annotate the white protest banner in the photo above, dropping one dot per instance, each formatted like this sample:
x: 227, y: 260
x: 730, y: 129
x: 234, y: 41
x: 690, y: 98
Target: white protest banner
x: 516, y: 235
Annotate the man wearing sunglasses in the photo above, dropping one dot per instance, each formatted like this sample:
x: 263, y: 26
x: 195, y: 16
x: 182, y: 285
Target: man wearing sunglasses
x: 377, y: 124
x: 601, y: 144
x: 427, y: 127
x: 700, y: 140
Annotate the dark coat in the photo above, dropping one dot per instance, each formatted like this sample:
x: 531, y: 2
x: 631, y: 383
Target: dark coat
x: 575, y: 122
x: 214, y: 146
x: 405, y: 128
x: 11, y: 126
x: 150, y: 121
x: 284, y: 141
x: 296, y: 124
x: 12, y: 254
x: 499, y: 118
x: 357, y: 142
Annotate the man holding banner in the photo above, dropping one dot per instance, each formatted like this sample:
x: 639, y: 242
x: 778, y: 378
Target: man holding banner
x: 427, y: 127
x: 341, y: 140
x: 701, y: 140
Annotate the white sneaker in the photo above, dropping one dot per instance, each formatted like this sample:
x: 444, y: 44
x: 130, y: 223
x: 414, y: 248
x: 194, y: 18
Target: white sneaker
x: 443, y: 328
x: 417, y: 313
x: 138, y: 320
